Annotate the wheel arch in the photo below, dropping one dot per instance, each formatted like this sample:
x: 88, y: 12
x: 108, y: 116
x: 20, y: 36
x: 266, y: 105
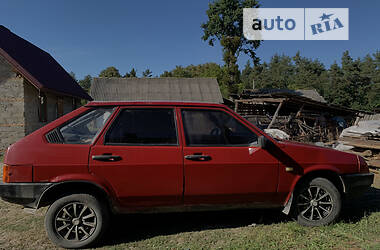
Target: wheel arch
x: 328, y: 174
x: 61, y: 189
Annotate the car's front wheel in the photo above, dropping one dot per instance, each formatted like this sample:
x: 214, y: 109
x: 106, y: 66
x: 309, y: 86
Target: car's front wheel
x: 76, y: 221
x: 317, y: 203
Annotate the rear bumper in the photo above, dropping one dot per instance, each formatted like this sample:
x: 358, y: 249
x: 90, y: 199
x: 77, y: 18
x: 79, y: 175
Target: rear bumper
x: 356, y: 184
x: 26, y: 194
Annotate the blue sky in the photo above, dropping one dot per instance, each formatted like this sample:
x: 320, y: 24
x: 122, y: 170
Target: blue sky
x: 87, y: 36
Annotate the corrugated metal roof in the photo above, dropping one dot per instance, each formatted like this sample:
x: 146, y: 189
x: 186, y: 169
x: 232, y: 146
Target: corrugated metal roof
x: 37, y: 66
x: 156, y: 89
x: 308, y: 93
x: 311, y: 94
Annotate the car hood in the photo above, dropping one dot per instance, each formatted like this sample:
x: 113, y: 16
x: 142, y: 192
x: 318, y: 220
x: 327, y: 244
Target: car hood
x: 306, y: 155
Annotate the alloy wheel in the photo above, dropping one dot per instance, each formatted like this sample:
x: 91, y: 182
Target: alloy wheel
x: 75, y: 221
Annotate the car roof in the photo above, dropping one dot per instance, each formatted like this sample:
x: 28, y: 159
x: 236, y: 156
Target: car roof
x: 152, y: 103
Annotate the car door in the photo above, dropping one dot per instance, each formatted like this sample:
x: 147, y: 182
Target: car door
x: 140, y: 157
x: 223, y: 163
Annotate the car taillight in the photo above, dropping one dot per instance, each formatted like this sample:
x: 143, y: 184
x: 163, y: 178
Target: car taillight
x: 6, y: 176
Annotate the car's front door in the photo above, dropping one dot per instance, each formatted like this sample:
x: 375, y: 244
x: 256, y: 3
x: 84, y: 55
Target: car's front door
x: 140, y: 156
x: 222, y: 161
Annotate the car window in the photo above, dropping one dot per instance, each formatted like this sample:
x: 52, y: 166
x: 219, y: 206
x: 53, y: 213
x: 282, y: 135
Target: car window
x: 143, y: 127
x: 215, y: 128
x: 85, y: 128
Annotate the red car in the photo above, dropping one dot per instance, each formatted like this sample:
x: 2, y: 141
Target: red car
x: 127, y: 157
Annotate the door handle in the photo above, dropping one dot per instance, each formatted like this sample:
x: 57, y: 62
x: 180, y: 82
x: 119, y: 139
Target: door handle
x: 106, y: 158
x: 198, y: 157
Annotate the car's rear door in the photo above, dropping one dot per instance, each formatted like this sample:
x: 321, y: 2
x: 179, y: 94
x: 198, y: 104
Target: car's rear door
x: 140, y: 156
x: 222, y: 162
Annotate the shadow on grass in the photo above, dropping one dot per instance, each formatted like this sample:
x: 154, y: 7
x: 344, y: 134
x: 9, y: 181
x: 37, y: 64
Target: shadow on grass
x: 355, y: 209
x: 129, y: 228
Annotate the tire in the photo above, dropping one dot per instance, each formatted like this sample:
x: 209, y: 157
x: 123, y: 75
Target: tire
x: 317, y: 203
x: 76, y: 221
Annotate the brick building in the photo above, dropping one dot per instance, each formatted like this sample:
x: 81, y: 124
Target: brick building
x: 34, y: 89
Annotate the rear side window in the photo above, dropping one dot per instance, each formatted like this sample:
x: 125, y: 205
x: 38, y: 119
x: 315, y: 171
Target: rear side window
x: 143, y: 127
x: 85, y: 128
x: 215, y: 128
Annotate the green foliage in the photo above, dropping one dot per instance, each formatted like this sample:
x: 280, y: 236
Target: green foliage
x: 355, y: 84
x: 110, y: 72
x: 308, y: 74
x: 147, y: 73
x: 132, y: 73
x: 202, y: 70
x: 225, y: 23
x: 275, y: 74
x: 352, y: 83
x: 85, y: 83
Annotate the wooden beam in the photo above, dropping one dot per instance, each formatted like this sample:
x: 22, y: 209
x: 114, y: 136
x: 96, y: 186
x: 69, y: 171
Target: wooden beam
x: 275, y: 114
x: 261, y: 100
x: 299, y: 111
x: 360, y: 143
x: 236, y: 106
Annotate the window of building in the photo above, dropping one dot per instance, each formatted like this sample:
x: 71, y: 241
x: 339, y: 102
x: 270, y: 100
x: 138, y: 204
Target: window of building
x: 215, y: 128
x: 143, y: 127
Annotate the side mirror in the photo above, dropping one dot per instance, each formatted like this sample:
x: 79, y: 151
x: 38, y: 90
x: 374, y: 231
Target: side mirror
x: 264, y: 142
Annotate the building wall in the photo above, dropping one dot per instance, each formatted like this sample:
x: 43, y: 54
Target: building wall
x: 12, y: 124
x: 32, y: 105
x: 19, y: 105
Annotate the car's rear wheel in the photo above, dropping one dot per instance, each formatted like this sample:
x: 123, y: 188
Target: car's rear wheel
x: 317, y: 203
x: 76, y: 221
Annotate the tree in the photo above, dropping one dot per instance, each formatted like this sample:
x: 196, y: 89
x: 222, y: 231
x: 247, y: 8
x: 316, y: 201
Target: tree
x: 376, y: 77
x: 308, y: 74
x: 166, y: 74
x: 336, y: 89
x: 374, y: 97
x: 110, y: 72
x: 225, y: 23
x: 356, y: 85
x: 132, y: 73
x: 85, y: 83
x: 147, y: 73
x: 201, y: 70
x: 278, y: 73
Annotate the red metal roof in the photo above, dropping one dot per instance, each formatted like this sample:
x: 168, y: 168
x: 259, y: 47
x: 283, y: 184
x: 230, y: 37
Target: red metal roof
x: 38, y: 66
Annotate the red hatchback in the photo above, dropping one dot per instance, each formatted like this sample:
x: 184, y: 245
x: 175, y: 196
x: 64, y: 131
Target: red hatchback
x: 127, y: 157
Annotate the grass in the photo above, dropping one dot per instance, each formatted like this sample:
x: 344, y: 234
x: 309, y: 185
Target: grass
x: 359, y: 227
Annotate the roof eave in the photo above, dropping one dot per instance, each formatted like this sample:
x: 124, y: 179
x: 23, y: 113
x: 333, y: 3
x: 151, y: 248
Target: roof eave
x: 33, y: 80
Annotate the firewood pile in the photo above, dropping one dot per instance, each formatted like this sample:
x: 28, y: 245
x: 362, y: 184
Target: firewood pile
x: 363, y: 139
x: 302, y: 114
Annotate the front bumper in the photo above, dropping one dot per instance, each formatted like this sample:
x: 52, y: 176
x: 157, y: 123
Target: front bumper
x: 356, y: 184
x: 26, y: 194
